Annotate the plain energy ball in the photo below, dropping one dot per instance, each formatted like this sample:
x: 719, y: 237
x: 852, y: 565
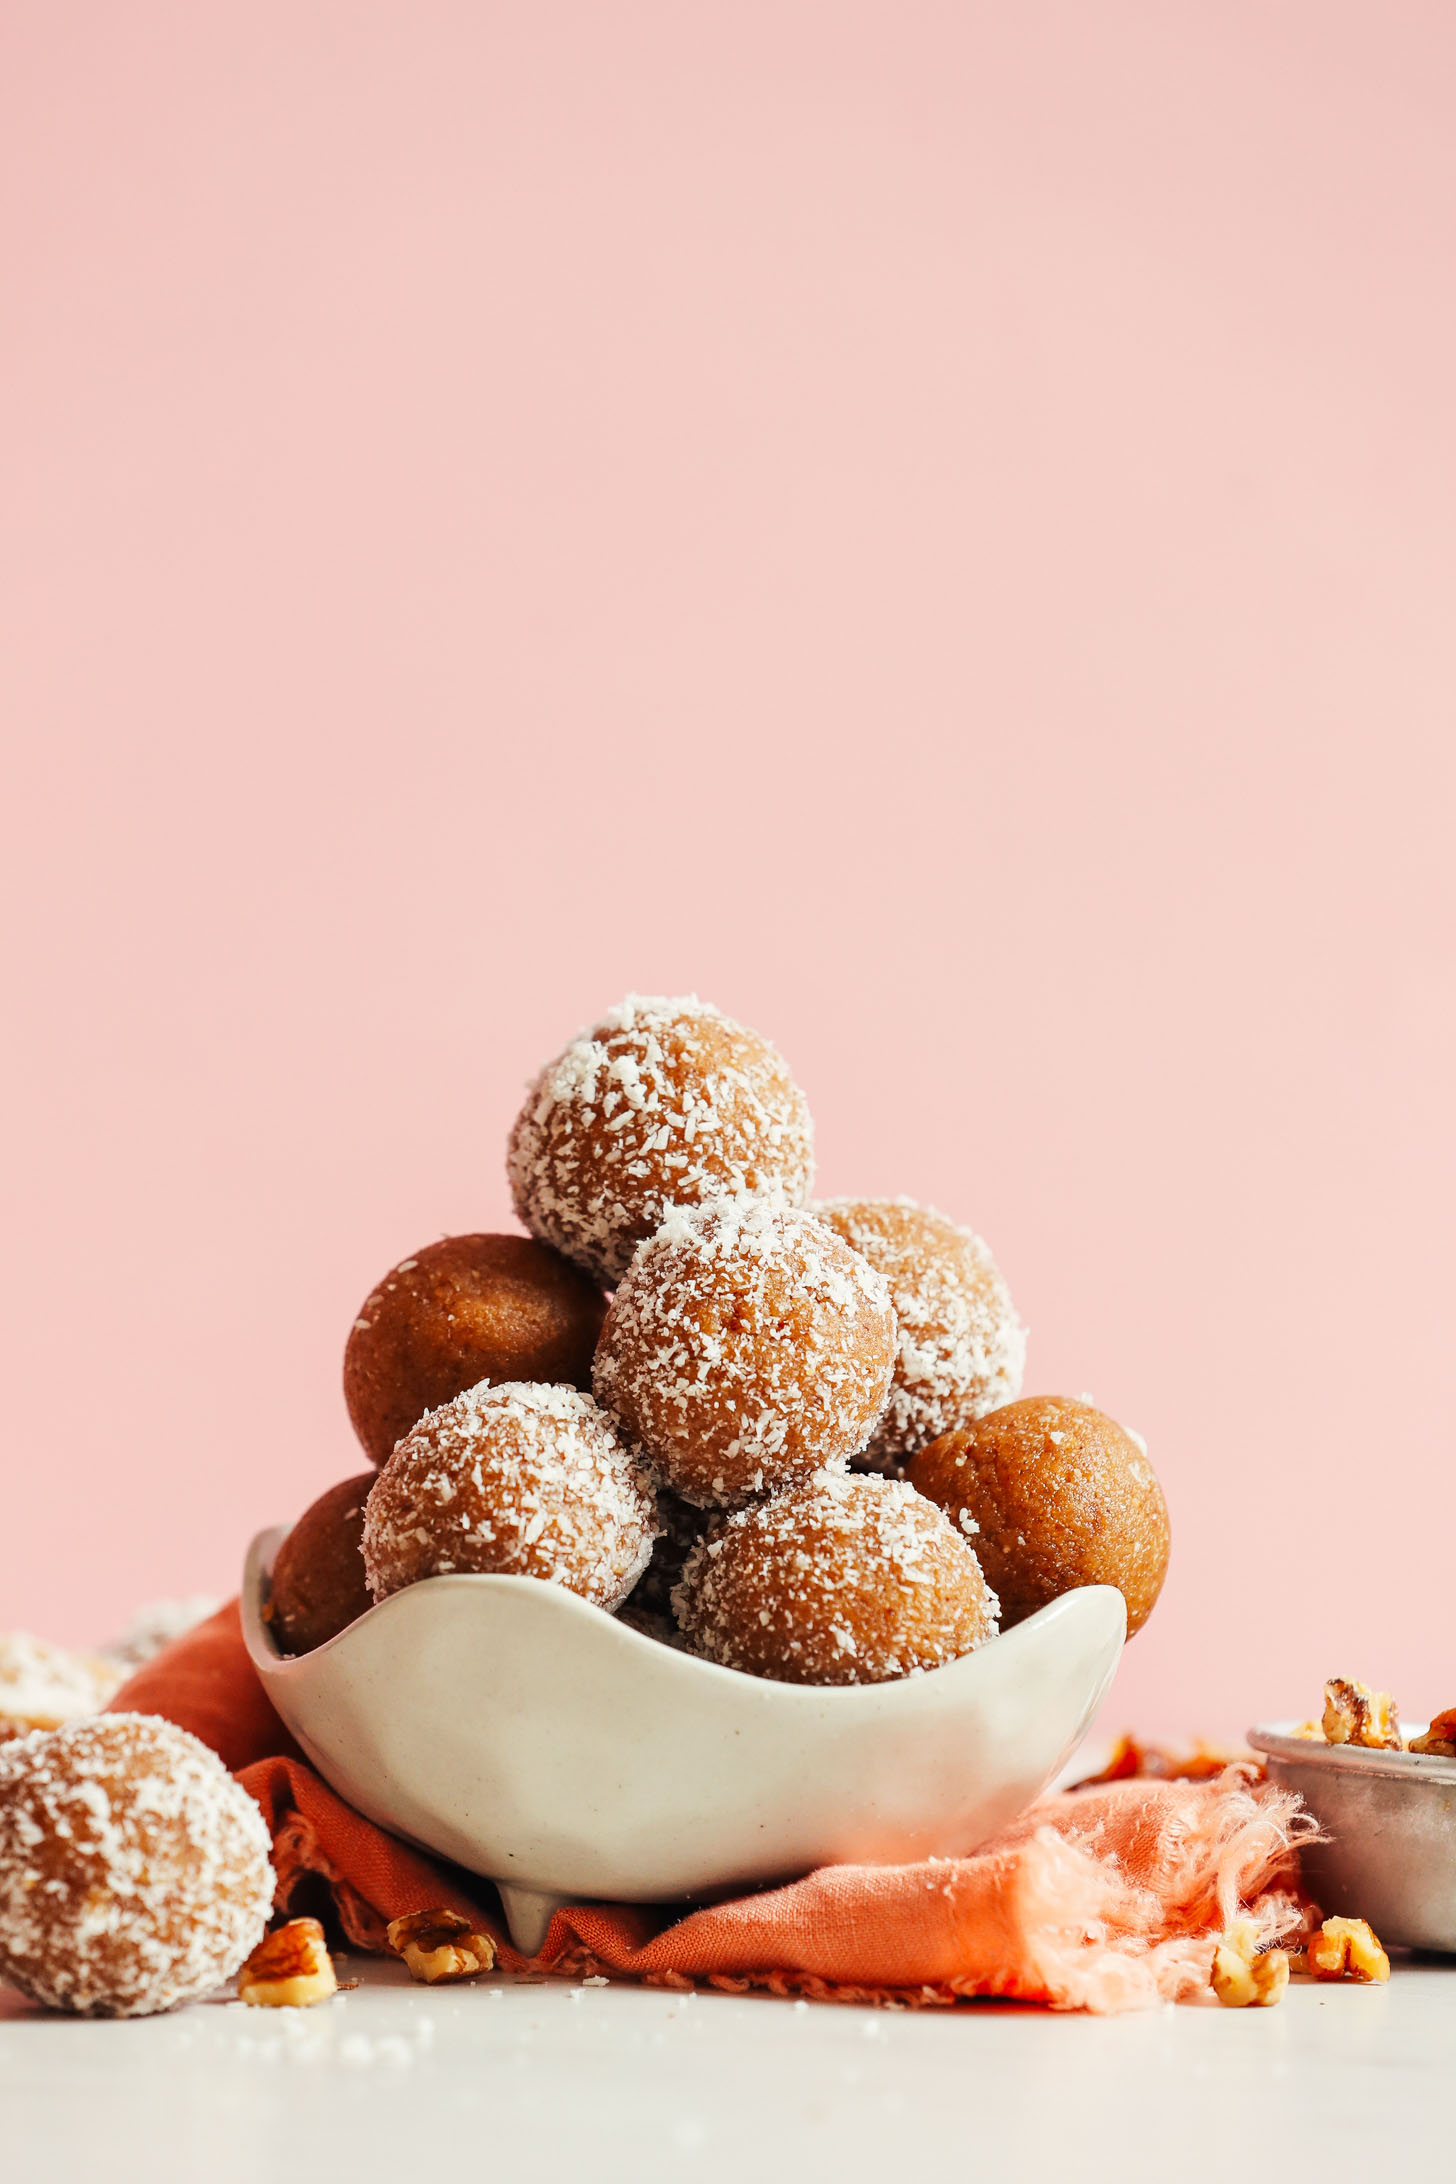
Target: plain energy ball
x: 665, y: 1102
x: 746, y: 1347
x: 513, y: 1480
x: 847, y: 1580
x: 463, y: 1310
x: 134, y: 1871
x: 319, y: 1587
x: 1055, y: 1495
x: 962, y: 1348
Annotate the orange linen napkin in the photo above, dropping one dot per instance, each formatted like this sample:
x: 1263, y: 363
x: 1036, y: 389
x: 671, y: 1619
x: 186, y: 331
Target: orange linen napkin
x: 1102, y: 1899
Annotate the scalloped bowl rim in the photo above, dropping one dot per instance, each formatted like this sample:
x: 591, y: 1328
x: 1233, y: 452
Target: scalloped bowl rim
x: 691, y: 1666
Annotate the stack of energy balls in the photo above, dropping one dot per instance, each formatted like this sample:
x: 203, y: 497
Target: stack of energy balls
x: 790, y: 1443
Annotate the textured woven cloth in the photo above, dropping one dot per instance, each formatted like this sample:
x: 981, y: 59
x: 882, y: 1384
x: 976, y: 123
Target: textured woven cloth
x: 1105, y: 1899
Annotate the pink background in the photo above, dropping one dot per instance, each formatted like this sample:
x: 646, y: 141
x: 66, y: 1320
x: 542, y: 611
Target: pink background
x: 932, y: 525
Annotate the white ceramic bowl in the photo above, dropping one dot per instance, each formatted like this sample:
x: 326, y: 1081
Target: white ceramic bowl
x: 511, y: 1726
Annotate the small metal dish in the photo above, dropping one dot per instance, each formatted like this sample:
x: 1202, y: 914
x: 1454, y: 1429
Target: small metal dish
x: 1391, y: 1822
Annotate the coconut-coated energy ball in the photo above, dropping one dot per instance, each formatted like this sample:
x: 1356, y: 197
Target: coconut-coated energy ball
x: 514, y: 1480
x: 1055, y: 1495
x: 746, y: 1347
x: 665, y: 1102
x: 134, y: 1871
x: 319, y: 1586
x: 463, y: 1310
x: 962, y: 1348
x: 157, y: 1624
x: 849, y: 1579
x: 42, y: 1685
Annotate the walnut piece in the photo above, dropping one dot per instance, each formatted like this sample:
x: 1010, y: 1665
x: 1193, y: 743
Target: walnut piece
x: 1354, y: 1714
x: 1243, y: 1977
x: 1346, y: 1949
x: 1133, y: 1760
x: 438, y: 1945
x: 289, y: 1969
x: 1440, y: 1738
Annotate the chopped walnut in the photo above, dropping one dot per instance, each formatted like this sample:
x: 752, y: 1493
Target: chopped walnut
x: 1440, y: 1738
x: 1132, y: 1759
x: 289, y: 1969
x: 1346, y: 1949
x: 1354, y: 1714
x: 439, y: 1945
x: 1243, y: 1977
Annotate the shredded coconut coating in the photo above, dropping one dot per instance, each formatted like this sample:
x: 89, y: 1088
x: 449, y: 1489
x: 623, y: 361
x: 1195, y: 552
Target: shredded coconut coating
x: 747, y: 1347
x: 666, y: 1102
x: 846, y: 1580
x: 42, y: 1686
x: 134, y: 1871
x: 512, y: 1479
x: 962, y: 1348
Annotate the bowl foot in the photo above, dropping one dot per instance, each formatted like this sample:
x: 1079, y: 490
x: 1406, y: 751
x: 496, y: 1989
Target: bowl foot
x: 529, y: 1912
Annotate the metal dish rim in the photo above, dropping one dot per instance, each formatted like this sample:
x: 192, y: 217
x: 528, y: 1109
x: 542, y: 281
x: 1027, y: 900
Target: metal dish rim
x: 1430, y: 1769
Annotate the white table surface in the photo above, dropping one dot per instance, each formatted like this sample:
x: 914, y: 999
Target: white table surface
x: 508, y: 2080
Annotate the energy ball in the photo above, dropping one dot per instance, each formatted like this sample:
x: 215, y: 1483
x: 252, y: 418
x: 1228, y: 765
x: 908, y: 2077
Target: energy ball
x: 467, y: 1309
x: 157, y: 1624
x: 847, y: 1580
x: 663, y: 1103
x: 513, y: 1480
x: 747, y: 1347
x: 134, y: 1871
x: 962, y: 1348
x: 43, y: 1686
x: 319, y: 1586
x: 1056, y: 1495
